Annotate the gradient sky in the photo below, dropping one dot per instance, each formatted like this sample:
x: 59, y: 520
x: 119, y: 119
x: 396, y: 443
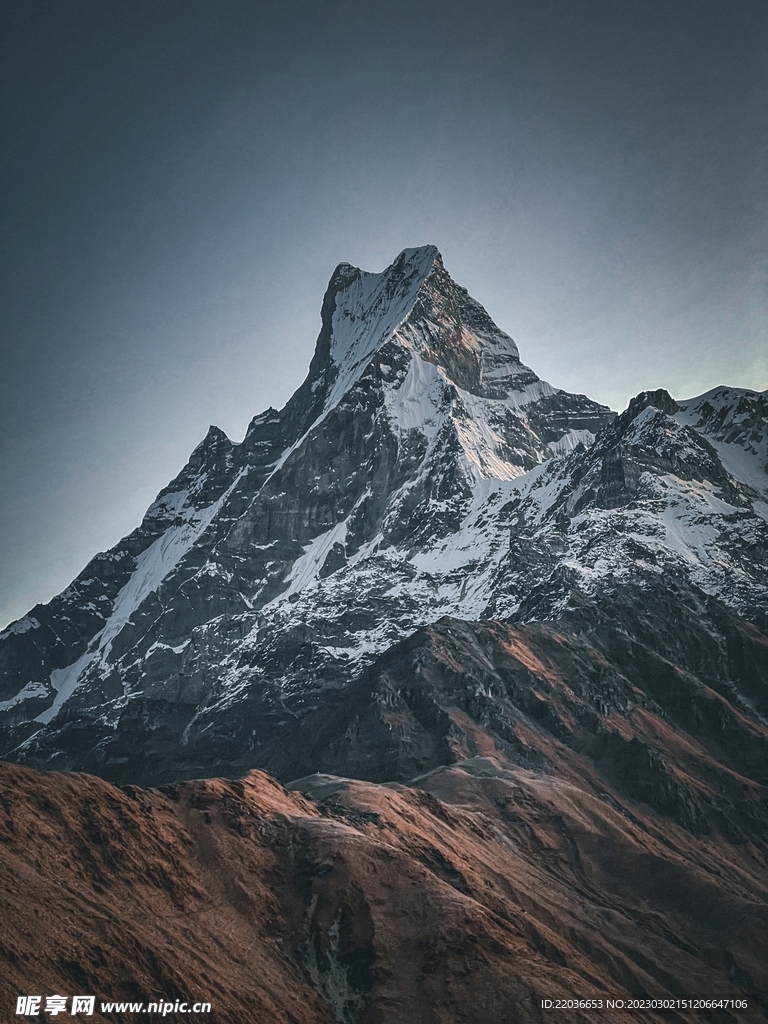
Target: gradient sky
x: 181, y: 178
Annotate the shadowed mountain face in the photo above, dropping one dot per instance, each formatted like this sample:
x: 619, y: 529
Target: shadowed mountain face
x: 535, y: 633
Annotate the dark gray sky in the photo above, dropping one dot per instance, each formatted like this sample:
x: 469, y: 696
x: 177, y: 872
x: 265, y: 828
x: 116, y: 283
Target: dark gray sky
x: 180, y: 179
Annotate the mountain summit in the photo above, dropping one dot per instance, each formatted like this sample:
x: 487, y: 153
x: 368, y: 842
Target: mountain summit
x: 420, y: 471
x: 415, y: 303
x: 414, y: 320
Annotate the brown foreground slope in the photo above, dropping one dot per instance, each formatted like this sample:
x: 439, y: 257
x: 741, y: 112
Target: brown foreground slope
x: 467, y: 896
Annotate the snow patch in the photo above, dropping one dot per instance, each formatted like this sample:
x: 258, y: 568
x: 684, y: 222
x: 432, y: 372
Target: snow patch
x: 22, y: 625
x: 65, y: 681
x: 168, y: 505
x: 27, y: 692
x: 571, y: 440
x: 158, y: 646
x: 419, y: 400
x: 308, y: 565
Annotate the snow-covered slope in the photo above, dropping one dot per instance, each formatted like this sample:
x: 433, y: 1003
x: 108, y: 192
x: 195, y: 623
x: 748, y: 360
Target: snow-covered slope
x: 656, y: 497
x: 421, y: 470
x: 734, y: 422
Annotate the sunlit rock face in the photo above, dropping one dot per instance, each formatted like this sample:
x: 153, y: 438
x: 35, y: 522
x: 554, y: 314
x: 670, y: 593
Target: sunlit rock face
x: 420, y: 471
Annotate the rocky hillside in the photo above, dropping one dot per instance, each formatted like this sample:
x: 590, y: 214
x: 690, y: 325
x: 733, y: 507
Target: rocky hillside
x: 468, y: 896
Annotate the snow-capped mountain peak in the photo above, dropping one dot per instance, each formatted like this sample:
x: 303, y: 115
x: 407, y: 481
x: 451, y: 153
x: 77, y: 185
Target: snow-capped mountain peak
x: 421, y: 469
x: 367, y: 310
x: 415, y: 305
x: 414, y: 399
x: 735, y: 422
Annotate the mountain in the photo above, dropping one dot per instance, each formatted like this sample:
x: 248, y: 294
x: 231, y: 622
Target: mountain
x: 422, y: 475
x: 269, y: 568
x: 505, y: 650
